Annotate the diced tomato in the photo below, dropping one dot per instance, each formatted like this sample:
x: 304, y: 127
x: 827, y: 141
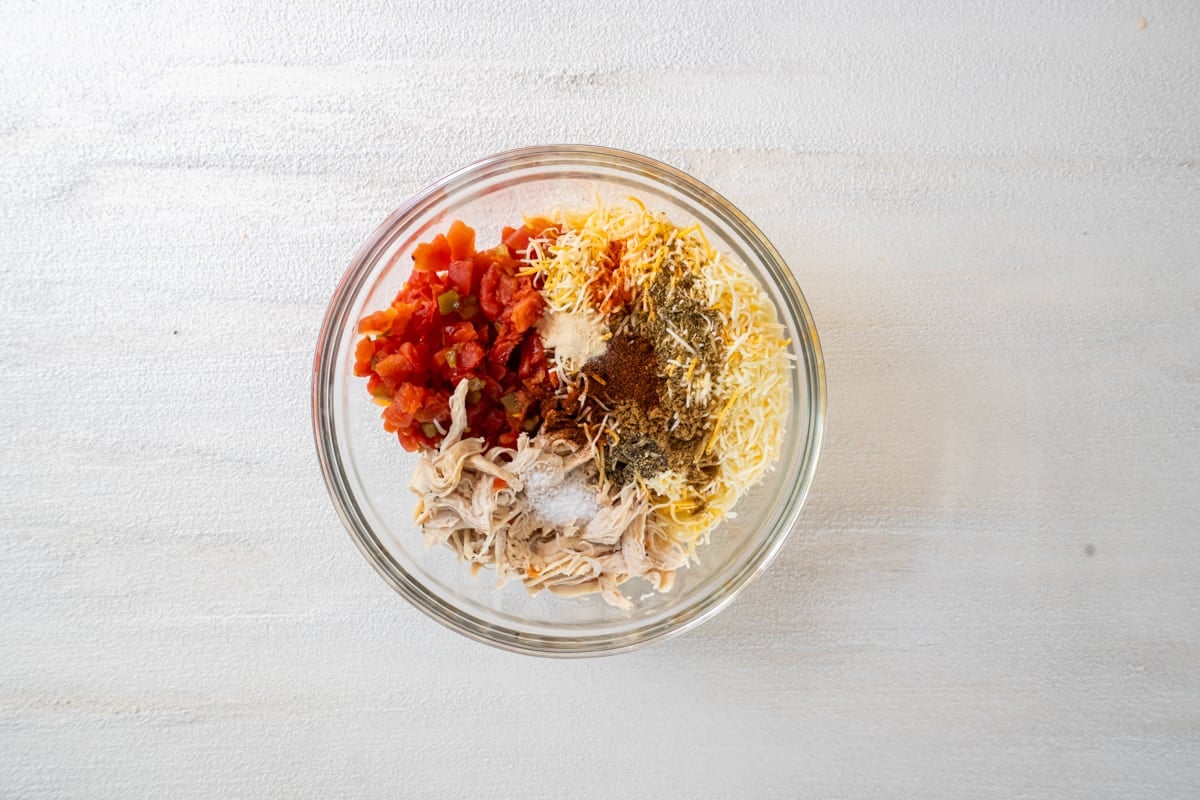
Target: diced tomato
x: 470, y: 355
x: 407, y: 364
x: 416, y: 353
x: 458, y: 332
x: 518, y: 240
x: 495, y: 371
x: 433, y: 406
x: 422, y: 321
x: 506, y: 342
x: 378, y: 322
x: 493, y: 420
x: 533, y: 357
x: 441, y: 360
x: 489, y: 293
x: 425, y: 285
x: 385, y: 347
x: 492, y: 390
x: 508, y: 289
x: 408, y: 440
x: 461, y: 240
x: 394, y: 370
x: 482, y: 260
x: 432, y: 256
x: 409, y: 396
x: 463, y: 276
x: 534, y: 369
x: 363, y: 354
x: 395, y: 418
x: 404, y: 314
x: 527, y: 310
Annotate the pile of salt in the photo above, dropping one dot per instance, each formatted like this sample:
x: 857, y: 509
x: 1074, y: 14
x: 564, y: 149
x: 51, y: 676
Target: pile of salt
x: 560, y: 502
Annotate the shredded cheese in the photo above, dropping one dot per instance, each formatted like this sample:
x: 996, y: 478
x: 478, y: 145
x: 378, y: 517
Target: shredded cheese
x: 749, y: 394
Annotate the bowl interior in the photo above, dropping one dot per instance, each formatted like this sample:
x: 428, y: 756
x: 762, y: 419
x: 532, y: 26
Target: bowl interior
x: 368, y: 471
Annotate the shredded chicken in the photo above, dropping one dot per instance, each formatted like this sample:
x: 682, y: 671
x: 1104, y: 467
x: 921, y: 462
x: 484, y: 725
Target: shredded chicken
x: 473, y: 500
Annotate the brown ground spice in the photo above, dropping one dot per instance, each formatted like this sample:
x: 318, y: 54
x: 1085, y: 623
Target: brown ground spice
x: 627, y: 379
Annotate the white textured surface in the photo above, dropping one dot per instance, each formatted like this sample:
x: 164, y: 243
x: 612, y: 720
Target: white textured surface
x: 994, y: 591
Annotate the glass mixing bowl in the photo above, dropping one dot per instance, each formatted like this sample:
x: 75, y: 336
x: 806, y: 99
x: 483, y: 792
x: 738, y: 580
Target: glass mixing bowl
x: 367, y: 471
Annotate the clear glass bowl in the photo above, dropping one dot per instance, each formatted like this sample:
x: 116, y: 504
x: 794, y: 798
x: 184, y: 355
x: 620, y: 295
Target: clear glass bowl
x: 367, y: 471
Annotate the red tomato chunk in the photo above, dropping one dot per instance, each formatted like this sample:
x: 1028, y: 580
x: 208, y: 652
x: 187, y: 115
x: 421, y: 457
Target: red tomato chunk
x: 462, y: 315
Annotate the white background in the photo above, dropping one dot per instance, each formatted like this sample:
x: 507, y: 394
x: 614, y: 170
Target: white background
x: 994, y: 590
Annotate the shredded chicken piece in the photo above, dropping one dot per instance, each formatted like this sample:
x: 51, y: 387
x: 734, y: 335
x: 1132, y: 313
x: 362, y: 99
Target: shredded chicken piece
x: 473, y: 500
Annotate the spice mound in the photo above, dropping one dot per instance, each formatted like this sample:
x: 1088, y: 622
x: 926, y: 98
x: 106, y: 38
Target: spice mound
x: 590, y: 397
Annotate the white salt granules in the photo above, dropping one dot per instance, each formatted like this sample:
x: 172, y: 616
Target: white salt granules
x: 560, y: 502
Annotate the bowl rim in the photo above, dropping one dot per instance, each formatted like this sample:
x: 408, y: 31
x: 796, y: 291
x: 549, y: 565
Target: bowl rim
x: 462, y: 622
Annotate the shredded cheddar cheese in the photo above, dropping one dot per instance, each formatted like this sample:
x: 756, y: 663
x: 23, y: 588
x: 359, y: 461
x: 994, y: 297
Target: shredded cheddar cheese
x: 746, y: 396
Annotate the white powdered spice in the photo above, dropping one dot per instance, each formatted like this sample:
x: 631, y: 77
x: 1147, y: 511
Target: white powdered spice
x: 575, y: 336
